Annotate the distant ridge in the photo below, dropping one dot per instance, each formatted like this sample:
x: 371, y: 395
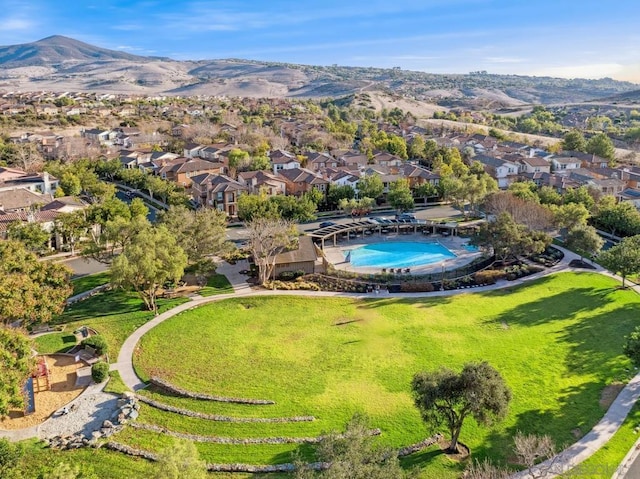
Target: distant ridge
x: 58, y: 49
x: 60, y: 64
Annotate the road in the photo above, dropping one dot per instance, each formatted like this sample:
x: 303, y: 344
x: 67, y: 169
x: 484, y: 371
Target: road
x: 121, y: 195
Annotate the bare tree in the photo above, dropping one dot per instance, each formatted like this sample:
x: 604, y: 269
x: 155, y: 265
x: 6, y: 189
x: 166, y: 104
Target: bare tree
x: 524, y: 212
x: 269, y: 237
x: 485, y: 470
x: 536, y: 453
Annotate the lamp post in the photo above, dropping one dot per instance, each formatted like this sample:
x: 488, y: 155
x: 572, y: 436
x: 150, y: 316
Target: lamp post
x: 442, y: 280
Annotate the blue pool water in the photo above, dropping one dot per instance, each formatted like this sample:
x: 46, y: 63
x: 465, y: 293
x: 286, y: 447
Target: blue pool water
x: 398, y: 255
x: 471, y: 248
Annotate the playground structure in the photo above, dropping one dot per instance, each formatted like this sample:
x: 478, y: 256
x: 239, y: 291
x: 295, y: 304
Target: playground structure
x: 41, y: 376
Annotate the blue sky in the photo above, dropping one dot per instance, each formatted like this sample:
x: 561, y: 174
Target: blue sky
x: 568, y: 38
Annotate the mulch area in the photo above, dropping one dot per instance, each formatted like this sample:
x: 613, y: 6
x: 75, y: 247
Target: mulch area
x: 63, y: 391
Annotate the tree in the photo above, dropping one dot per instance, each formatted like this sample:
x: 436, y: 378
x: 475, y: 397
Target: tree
x: 528, y: 213
x: 70, y: 184
x: 443, y: 396
x: 508, y: 239
x: 256, y: 206
x: 71, y: 226
x: 181, y: 460
x: 269, y: 237
x: 31, y: 235
x: 574, y: 141
x: 352, y: 455
x: 417, y: 148
x: 602, y: 146
x: 582, y: 194
x: 632, y: 346
x: 370, y: 186
x: 584, y: 240
x: 31, y: 291
x: 621, y: 219
x: 569, y: 215
x: 400, y: 196
x: 549, y: 196
x: 17, y: 362
x: 152, y: 259
x: 525, y: 190
x: 426, y: 190
x: 623, y: 258
x: 200, y: 233
x: 337, y: 193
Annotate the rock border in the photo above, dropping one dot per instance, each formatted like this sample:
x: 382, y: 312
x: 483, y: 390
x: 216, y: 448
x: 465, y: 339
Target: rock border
x: 161, y: 383
x: 219, y: 418
x: 233, y: 440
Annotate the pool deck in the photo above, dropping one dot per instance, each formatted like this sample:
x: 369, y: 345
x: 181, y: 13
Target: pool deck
x: 336, y: 254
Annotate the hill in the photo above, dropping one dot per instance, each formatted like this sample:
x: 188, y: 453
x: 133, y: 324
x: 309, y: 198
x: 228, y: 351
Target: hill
x: 59, y: 63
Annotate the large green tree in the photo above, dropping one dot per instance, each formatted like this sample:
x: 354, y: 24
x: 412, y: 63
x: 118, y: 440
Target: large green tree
x: 622, y: 219
x: 574, y: 141
x: 584, y: 240
x: 200, y: 233
x: 72, y: 227
x: 400, y: 196
x: 16, y: 363
x: 602, y: 146
x: 31, y: 291
x: 623, y: 258
x: 370, y: 186
x: 444, y: 396
x: 152, y: 259
x: 31, y: 235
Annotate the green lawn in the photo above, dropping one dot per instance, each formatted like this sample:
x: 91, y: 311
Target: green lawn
x: 86, y: 283
x: 114, y: 314
x: 216, y: 284
x: 557, y: 342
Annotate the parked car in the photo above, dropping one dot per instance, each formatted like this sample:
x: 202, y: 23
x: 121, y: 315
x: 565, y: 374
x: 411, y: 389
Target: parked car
x: 326, y: 224
x: 406, y: 216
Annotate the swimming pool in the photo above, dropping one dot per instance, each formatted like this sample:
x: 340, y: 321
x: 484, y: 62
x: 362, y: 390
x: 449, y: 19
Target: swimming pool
x: 398, y: 254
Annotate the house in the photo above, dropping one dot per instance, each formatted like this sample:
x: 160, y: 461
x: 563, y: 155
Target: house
x: 343, y: 178
x: 283, y: 160
x: 11, y: 179
x: 386, y: 159
x: 504, y: 172
x: 97, y: 135
x: 302, y: 180
x: 303, y: 258
x: 264, y: 181
x: 587, y: 160
x: 320, y: 161
x: 217, y: 191
x: 181, y: 170
x: 631, y: 195
x: 418, y: 175
x: 354, y: 160
x: 533, y: 164
x: 561, y: 163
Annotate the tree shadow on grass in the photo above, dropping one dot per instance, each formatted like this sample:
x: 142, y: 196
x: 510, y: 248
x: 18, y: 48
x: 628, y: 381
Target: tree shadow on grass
x: 419, y: 301
x: 565, y: 426
x: 109, y: 303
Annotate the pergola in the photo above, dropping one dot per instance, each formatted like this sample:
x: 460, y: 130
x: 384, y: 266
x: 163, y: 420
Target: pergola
x: 369, y: 227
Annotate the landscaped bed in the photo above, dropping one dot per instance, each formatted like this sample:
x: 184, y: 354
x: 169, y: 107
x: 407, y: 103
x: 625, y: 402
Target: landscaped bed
x: 557, y: 342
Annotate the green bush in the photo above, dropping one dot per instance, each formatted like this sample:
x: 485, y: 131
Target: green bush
x: 488, y: 276
x: 97, y: 342
x: 407, y: 287
x: 100, y: 371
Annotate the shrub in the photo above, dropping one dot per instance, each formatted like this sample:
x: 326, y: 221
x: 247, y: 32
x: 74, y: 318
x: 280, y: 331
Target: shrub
x: 488, y: 276
x: 100, y: 371
x: 407, y: 287
x: 290, y: 275
x: 97, y: 342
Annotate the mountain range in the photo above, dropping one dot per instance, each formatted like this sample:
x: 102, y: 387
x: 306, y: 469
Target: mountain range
x: 59, y: 63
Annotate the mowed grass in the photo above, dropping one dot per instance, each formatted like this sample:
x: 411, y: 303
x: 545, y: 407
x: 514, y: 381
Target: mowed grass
x: 556, y: 341
x: 216, y: 284
x: 88, y: 282
x: 114, y: 314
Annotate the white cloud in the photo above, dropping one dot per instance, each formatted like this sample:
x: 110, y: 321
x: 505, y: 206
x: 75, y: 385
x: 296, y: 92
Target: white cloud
x: 15, y: 24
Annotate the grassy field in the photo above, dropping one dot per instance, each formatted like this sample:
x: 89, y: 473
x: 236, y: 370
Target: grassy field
x: 557, y: 342
x: 114, y: 314
x: 85, y: 283
x: 216, y: 284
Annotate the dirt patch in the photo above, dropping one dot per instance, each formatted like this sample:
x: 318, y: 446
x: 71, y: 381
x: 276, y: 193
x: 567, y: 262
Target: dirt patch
x: 63, y: 391
x: 609, y: 394
x: 577, y: 433
x: 461, y: 455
